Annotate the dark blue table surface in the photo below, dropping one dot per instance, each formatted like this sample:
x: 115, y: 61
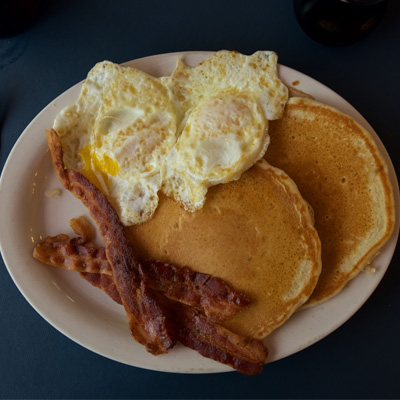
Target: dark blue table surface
x: 361, y: 359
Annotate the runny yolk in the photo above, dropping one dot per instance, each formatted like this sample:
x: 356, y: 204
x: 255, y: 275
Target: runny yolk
x: 96, y: 169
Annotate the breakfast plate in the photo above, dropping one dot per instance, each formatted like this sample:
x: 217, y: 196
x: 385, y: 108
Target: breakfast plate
x: 88, y: 316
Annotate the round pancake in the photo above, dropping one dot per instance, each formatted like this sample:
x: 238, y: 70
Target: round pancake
x: 341, y: 173
x: 256, y: 233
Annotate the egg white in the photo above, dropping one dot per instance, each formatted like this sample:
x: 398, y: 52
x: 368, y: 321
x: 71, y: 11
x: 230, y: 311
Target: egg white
x: 118, y: 134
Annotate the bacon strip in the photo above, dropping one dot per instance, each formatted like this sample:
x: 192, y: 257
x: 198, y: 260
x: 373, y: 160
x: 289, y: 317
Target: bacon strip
x: 146, y: 318
x: 196, y: 331
x: 202, y: 291
x: 72, y: 254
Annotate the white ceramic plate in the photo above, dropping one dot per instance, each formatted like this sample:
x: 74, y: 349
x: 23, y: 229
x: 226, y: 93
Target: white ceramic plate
x: 84, y: 313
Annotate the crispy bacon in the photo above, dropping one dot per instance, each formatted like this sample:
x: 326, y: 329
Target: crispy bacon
x: 146, y: 318
x: 156, y: 320
x: 214, y: 341
x: 196, y: 331
x: 202, y: 291
x: 184, y: 311
x: 72, y: 254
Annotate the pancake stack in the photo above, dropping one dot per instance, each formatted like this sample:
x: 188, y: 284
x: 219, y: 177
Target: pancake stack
x: 287, y: 244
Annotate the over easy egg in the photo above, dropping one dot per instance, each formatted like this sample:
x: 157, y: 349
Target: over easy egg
x: 117, y: 134
x: 223, y: 107
x: 132, y: 134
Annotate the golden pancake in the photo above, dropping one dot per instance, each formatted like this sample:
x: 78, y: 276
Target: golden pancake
x: 341, y: 173
x: 256, y: 233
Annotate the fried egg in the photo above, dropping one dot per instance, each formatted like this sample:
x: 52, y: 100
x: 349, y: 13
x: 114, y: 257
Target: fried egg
x: 132, y: 134
x: 223, y: 107
x: 118, y: 134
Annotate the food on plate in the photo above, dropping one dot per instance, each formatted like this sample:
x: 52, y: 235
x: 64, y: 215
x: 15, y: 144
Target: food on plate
x: 340, y: 171
x: 256, y: 233
x: 223, y: 107
x: 142, y: 153
x: 125, y: 123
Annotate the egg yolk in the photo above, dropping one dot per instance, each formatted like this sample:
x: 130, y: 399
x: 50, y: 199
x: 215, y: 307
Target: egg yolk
x: 97, y: 169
